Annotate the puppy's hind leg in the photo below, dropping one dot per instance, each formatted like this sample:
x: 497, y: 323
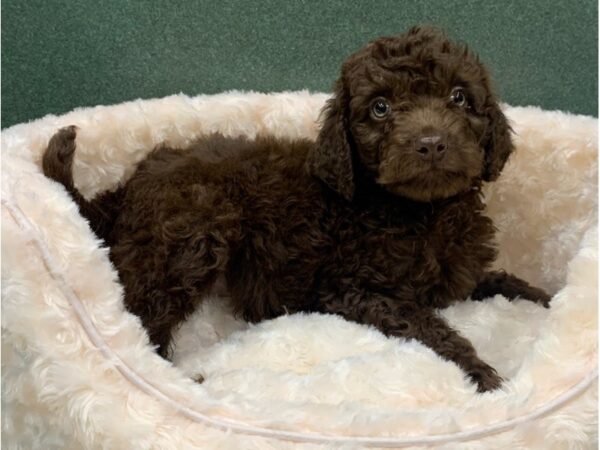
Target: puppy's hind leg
x: 163, y: 286
x: 166, y: 278
x: 511, y: 287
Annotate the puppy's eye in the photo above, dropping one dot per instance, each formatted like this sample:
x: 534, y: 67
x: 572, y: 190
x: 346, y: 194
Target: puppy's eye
x: 458, y: 97
x: 380, y: 108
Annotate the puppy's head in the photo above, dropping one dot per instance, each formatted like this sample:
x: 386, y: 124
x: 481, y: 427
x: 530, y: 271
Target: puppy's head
x: 416, y: 113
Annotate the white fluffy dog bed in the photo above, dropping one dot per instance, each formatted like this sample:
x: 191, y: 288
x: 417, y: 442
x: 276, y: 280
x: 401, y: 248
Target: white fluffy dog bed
x: 78, y: 372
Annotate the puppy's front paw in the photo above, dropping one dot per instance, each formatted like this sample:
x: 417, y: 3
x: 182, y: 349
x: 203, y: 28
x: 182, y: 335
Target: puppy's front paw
x: 486, y: 377
x: 539, y: 296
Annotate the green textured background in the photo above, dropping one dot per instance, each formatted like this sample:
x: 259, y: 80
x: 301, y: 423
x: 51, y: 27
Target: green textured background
x: 57, y: 55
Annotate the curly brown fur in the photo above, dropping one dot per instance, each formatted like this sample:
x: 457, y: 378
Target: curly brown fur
x: 380, y: 220
x: 57, y: 163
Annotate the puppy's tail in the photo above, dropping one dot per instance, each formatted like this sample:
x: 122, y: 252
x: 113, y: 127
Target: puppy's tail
x: 57, y: 164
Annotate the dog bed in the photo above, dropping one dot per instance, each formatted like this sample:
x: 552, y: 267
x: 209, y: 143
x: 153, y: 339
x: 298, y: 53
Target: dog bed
x: 78, y: 371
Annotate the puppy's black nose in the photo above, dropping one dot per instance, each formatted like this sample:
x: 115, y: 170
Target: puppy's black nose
x: 431, y: 146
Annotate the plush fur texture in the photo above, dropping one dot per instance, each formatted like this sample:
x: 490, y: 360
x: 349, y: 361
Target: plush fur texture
x: 380, y: 221
x: 60, y: 392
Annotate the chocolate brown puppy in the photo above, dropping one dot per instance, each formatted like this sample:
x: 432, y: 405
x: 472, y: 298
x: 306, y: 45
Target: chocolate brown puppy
x: 380, y: 220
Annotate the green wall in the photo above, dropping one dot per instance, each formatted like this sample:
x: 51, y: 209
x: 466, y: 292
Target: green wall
x: 58, y: 54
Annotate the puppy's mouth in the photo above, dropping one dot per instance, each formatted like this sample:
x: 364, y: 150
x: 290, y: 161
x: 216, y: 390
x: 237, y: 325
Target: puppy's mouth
x: 433, y: 172
x: 430, y: 176
x: 434, y: 183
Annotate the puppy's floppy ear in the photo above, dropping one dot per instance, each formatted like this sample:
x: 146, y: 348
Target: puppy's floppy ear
x: 499, y: 144
x: 331, y: 157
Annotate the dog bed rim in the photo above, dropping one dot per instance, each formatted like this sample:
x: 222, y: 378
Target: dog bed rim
x: 144, y: 385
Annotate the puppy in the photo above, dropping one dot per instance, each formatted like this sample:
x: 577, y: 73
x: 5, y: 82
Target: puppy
x: 380, y: 220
